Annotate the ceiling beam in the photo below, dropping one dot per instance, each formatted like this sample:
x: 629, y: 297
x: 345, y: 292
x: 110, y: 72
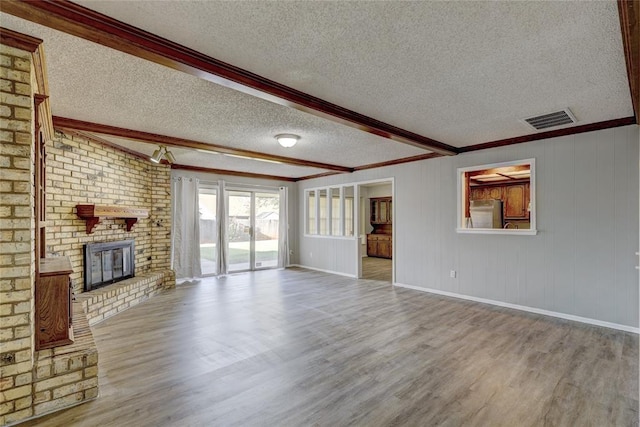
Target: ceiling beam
x: 104, y: 142
x: 234, y: 173
x: 62, y: 123
x: 90, y: 25
x: 398, y: 161
x: 629, y: 12
x: 607, y: 124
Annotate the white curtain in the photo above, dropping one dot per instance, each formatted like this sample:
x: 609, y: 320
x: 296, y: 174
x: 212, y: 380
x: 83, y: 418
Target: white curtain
x: 223, y: 265
x: 283, y: 229
x: 185, y: 247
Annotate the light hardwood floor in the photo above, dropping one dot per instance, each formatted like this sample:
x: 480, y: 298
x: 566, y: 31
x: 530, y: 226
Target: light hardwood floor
x: 376, y: 269
x: 301, y: 348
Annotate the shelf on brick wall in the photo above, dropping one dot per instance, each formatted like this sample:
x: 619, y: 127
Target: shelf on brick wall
x: 94, y: 213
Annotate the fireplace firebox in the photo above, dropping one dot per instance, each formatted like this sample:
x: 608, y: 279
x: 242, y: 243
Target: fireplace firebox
x: 106, y: 263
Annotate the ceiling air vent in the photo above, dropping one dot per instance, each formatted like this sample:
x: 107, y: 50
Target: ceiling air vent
x: 563, y: 117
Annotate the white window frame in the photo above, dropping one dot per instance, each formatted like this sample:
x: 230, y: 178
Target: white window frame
x: 329, y: 206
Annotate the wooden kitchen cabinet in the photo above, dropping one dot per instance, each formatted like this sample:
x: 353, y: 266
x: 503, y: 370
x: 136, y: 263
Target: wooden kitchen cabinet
x: 516, y: 201
x: 515, y: 198
x: 379, y: 245
x: 53, y: 303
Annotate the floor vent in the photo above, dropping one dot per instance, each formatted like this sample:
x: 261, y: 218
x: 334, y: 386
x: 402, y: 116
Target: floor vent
x: 550, y: 120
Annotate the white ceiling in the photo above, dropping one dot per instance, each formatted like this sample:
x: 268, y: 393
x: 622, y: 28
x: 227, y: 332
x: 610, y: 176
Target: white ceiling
x: 462, y: 73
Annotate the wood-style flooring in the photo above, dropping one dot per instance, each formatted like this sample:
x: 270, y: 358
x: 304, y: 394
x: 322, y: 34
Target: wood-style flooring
x: 376, y: 269
x: 305, y: 348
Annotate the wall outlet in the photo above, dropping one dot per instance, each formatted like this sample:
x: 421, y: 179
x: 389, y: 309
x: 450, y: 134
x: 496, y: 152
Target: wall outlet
x: 310, y: 254
x: 453, y: 274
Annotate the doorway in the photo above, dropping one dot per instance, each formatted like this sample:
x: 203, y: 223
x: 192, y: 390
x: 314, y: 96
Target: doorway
x: 376, y: 214
x: 252, y: 229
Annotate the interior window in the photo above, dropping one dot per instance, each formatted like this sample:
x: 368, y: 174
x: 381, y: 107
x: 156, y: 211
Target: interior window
x: 330, y: 211
x: 497, y: 198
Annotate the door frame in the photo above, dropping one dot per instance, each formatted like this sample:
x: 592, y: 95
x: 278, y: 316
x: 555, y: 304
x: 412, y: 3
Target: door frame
x: 358, y: 224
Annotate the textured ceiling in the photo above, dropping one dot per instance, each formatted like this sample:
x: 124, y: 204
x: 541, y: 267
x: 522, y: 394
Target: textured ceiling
x: 93, y: 83
x: 462, y: 73
x: 459, y: 72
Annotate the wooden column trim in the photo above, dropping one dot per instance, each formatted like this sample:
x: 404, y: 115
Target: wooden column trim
x: 82, y: 22
x: 629, y: 11
x: 18, y: 40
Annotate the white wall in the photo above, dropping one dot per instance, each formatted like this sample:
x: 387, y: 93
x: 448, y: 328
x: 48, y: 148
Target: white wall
x: 230, y: 180
x: 582, y: 261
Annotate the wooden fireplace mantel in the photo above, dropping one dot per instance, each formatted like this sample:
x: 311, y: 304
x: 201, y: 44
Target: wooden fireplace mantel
x: 94, y: 213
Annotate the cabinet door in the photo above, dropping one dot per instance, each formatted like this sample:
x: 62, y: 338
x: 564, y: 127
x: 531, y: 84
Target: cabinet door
x: 384, y: 248
x: 384, y: 211
x: 372, y: 246
x: 494, y: 193
x: 374, y: 211
x: 53, y: 311
x: 478, y: 193
x: 515, y: 205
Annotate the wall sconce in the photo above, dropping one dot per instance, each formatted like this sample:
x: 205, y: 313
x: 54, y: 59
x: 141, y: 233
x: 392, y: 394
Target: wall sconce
x: 287, y: 140
x: 161, y: 152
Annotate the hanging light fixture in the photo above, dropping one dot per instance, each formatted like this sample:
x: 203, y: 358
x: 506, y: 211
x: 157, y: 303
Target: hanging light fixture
x: 287, y: 140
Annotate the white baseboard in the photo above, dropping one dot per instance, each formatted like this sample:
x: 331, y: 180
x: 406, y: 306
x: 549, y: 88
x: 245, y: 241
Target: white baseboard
x: 525, y: 308
x: 353, y: 276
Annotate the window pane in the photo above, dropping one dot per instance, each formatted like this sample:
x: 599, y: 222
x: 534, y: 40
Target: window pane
x: 311, y: 212
x: 207, y: 200
x: 324, y: 212
x: 267, y: 221
x: 336, y: 224
x: 348, y: 211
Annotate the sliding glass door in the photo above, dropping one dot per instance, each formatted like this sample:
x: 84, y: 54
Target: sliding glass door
x: 252, y: 229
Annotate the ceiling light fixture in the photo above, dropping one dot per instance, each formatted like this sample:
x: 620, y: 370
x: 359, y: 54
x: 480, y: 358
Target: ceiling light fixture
x: 161, y: 152
x: 287, y: 140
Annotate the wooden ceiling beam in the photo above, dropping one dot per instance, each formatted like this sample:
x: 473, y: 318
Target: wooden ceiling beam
x: 629, y: 12
x: 105, y: 143
x: 62, y: 123
x: 234, y: 173
x: 81, y: 22
x: 607, y: 124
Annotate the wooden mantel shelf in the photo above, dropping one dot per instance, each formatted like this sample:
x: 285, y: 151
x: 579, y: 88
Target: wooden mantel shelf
x: 93, y: 213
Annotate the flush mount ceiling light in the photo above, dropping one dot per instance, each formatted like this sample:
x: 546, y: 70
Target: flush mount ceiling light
x: 161, y: 152
x: 287, y: 140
